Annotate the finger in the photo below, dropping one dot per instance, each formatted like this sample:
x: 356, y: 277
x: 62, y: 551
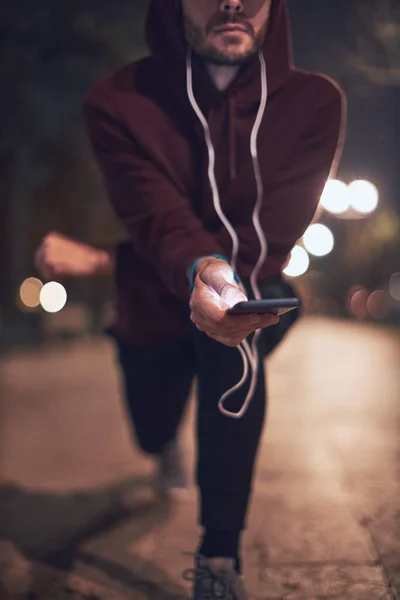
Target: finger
x: 205, y: 324
x: 221, y: 279
x: 217, y: 276
x: 269, y: 320
x: 198, y: 310
x: 254, y: 319
x: 230, y: 326
x: 100, y: 259
x: 232, y: 294
x: 250, y: 322
x: 199, y: 322
x: 209, y: 304
x: 220, y: 333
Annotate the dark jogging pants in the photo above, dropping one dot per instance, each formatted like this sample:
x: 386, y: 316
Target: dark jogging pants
x: 158, y: 380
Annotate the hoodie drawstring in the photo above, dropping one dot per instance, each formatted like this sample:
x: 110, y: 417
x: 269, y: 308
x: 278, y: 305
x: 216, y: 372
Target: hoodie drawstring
x: 249, y: 354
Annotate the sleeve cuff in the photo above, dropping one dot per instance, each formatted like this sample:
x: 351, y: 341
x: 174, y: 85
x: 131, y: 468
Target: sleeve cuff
x: 193, y: 268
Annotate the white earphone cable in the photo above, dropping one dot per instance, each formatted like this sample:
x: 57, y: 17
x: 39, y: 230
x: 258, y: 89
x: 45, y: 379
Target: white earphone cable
x: 211, y: 162
x: 249, y: 354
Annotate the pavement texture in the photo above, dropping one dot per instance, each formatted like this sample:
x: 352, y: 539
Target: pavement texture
x: 78, y: 519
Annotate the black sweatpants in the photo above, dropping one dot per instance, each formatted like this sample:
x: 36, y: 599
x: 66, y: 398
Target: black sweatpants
x: 158, y: 379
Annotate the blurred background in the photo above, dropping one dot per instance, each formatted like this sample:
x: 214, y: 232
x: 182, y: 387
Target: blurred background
x: 76, y: 521
x: 346, y: 266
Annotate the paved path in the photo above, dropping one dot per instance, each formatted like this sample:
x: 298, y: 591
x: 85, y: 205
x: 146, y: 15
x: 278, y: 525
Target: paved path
x: 77, y: 519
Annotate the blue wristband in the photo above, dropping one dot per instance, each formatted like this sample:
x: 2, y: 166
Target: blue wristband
x: 192, y: 271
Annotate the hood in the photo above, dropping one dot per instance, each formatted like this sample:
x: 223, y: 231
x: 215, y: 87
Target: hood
x: 168, y: 47
x: 166, y: 42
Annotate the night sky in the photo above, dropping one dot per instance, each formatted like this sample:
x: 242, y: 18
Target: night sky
x: 327, y: 36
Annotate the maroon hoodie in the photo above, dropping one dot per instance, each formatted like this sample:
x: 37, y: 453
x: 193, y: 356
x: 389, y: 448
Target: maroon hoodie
x: 151, y: 149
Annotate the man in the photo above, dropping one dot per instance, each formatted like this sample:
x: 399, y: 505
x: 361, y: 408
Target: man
x: 60, y: 257
x: 215, y: 151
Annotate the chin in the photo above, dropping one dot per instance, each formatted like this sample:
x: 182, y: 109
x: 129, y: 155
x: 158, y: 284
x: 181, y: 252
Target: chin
x: 231, y: 56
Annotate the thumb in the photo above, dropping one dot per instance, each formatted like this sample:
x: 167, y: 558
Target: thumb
x: 232, y: 294
x: 221, y: 279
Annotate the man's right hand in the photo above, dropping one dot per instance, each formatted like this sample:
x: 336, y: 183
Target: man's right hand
x: 215, y: 291
x: 58, y: 257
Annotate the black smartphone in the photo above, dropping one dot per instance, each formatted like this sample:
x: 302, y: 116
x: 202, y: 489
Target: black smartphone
x: 273, y: 306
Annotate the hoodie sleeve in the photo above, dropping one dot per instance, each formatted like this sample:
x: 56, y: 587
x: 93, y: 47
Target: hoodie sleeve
x: 163, y: 227
x: 292, y: 196
x: 298, y: 186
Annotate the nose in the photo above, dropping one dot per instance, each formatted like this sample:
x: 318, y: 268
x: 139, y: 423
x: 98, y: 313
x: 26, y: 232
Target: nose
x: 232, y: 7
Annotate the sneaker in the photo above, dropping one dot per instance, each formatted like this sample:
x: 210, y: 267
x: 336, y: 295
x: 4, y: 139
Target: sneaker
x: 216, y: 579
x: 171, y: 480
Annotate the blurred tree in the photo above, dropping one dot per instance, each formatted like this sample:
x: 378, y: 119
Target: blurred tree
x: 375, y: 49
x: 50, y: 53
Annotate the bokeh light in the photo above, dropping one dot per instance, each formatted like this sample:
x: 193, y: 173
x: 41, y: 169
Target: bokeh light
x: 394, y: 286
x: 53, y: 297
x: 29, y: 292
x: 318, y: 240
x: 335, y: 197
x: 363, y: 196
x: 357, y: 302
x: 379, y: 304
x: 298, y: 263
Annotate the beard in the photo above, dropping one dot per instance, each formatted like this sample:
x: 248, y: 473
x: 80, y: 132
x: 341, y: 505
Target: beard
x: 232, y: 54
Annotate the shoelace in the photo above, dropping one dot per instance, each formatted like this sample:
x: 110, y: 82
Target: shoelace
x: 215, y: 585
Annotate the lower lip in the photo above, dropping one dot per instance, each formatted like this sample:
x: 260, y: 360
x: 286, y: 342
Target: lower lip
x: 231, y: 30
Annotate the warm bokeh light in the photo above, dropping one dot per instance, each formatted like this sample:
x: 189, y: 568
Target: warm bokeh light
x: 363, y: 196
x: 379, y: 304
x: 318, y: 240
x: 298, y: 263
x: 394, y: 286
x: 53, y: 297
x: 335, y: 197
x: 357, y: 302
x: 29, y: 292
